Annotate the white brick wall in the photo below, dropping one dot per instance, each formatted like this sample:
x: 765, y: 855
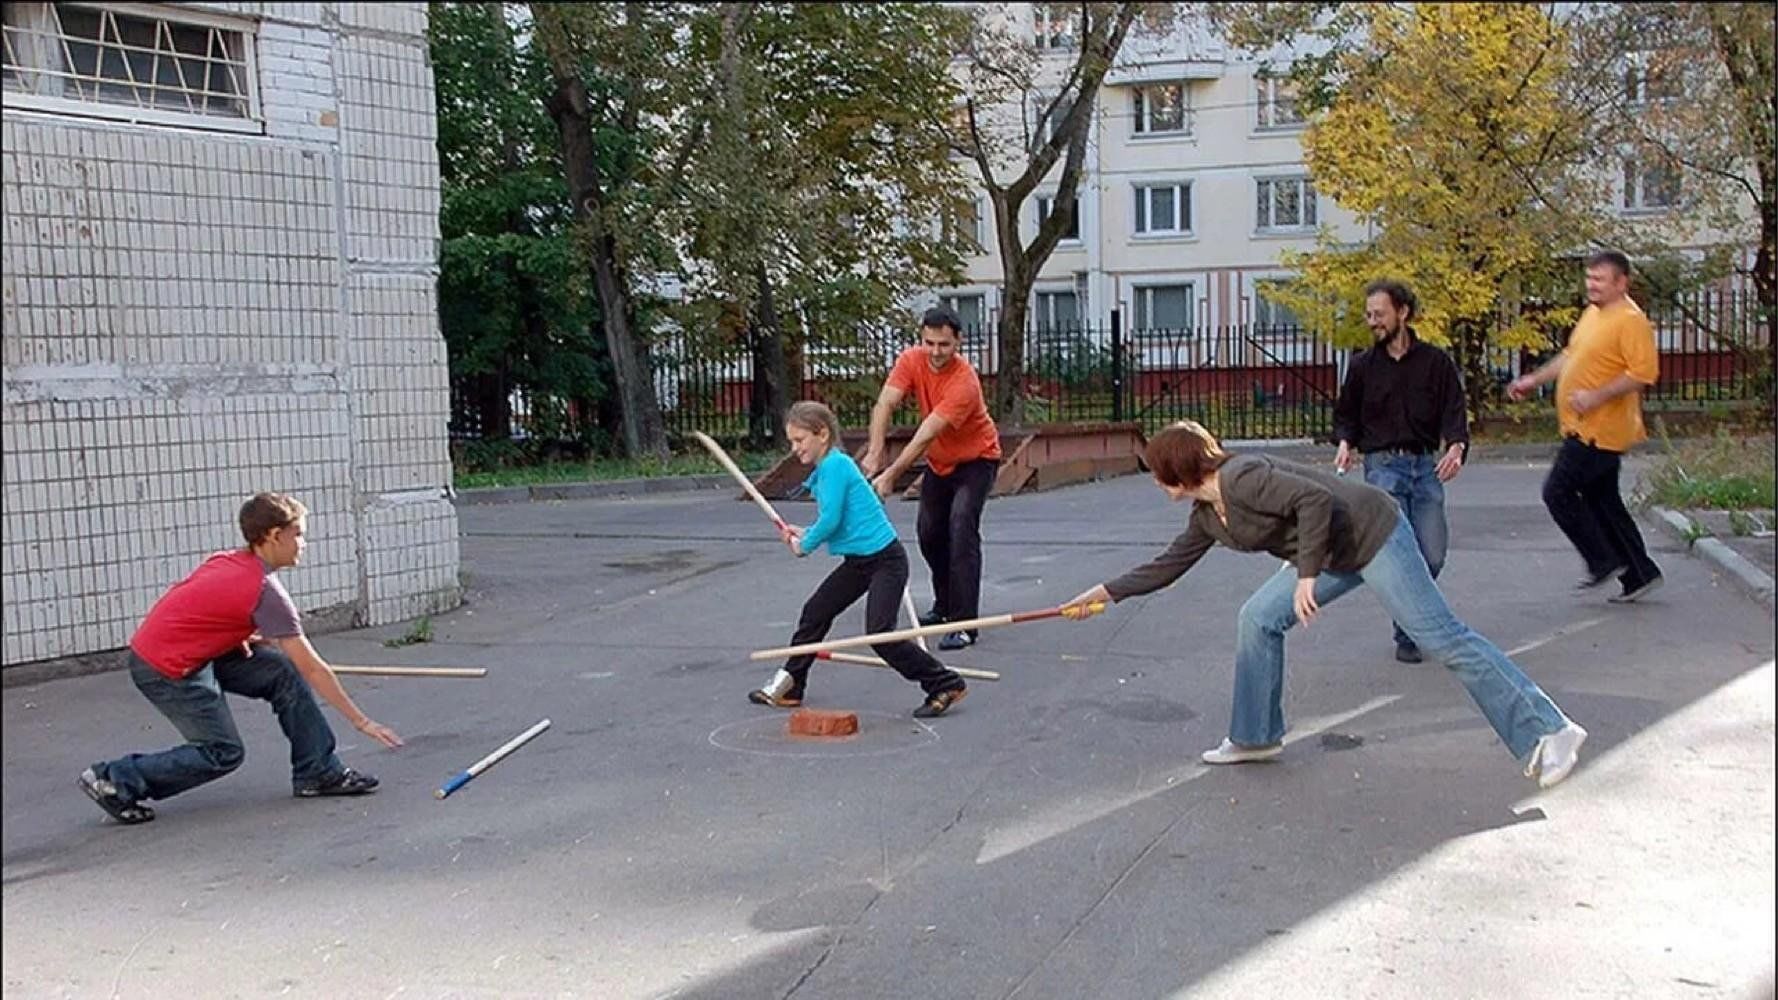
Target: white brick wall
x: 191, y: 317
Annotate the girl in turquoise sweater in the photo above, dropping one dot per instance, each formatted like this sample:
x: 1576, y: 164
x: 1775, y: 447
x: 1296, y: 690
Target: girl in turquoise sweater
x: 851, y: 522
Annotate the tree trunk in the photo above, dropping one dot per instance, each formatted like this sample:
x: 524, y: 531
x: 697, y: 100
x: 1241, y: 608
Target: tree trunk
x: 1015, y: 308
x: 642, y: 431
x: 1469, y: 344
x: 771, y: 376
x: 493, y: 405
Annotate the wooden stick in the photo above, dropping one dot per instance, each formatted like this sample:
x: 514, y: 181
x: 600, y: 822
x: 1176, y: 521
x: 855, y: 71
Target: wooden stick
x: 414, y: 671
x: 907, y: 603
x: 872, y: 661
x: 467, y: 775
x: 992, y: 621
x: 734, y: 470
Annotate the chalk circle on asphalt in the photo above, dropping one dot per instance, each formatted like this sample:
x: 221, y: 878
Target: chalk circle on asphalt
x: 878, y: 733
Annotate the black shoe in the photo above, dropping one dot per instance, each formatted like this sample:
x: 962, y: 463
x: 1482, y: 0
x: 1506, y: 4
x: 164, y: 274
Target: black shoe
x: 940, y: 703
x: 1633, y: 592
x: 347, y: 782
x: 932, y: 617
x: 957, y: 640
x: 103, y: 792
x: 1407, y: 652
x: 1591, y: 580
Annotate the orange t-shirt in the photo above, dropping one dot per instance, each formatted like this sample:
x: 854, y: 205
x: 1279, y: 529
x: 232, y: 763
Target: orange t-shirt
x: 1606, y: 343
x: 956, y: 395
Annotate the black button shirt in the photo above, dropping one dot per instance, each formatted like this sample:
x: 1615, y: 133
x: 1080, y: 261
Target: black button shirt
x: 1413, y: 402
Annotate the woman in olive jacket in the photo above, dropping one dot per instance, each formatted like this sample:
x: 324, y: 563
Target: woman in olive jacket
x: 1334, y: 535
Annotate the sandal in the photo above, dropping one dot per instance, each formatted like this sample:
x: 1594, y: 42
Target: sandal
x: 105, y: 794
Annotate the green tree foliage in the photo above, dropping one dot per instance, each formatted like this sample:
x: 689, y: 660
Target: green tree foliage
x: 513, y: 302
x: 822, y: 199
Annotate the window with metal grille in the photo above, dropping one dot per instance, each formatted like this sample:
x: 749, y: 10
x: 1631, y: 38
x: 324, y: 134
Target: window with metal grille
x: 132, y: 61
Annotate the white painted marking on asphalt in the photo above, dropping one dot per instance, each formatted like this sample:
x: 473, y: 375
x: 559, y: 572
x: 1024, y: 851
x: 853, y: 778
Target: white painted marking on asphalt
x: 1561, y: 633
x: 1077, y: 813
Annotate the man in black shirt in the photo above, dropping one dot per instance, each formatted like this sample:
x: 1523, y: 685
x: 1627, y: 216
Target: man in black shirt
x: 1401, y: 401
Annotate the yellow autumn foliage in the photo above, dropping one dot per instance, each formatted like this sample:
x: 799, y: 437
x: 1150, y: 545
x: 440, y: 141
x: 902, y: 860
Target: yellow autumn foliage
x: 1449, y: 135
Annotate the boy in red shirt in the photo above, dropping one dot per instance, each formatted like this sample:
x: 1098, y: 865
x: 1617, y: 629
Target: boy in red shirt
x: 197, y: 642
x: 962, y: 449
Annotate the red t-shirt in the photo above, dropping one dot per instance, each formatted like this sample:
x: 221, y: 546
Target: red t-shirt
x: 955, y: 393
x: 225, y: 600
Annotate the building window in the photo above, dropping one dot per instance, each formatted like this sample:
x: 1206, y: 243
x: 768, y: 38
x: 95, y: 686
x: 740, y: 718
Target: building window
x: 1161, y: 110
x: 970, y: 309
x: 1046, y: 204
x: 1650, y: 184
x: 1163, y: 208
x: 967, y: 228
x: 1058, y: 311
x: 1054, y: 25
x: 1285, y: 203
x: 1271, y: 316
x: 1650, y: 78
x: 1163, y: 307
x: 1047, y: 125
x: 172, y: 68
x: 1277, y: 103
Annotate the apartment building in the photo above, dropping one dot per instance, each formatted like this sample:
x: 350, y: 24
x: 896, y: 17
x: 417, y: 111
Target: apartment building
x: 221, y: 225
x: 1194, y: 185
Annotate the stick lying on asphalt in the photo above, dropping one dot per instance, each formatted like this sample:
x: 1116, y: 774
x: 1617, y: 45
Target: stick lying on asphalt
x: 414, y: 671
x: 466, y: 776
x: 872, y: 661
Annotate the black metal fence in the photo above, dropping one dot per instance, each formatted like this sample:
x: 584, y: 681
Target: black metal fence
x: 1274, y: 382
x: 1245, y: 382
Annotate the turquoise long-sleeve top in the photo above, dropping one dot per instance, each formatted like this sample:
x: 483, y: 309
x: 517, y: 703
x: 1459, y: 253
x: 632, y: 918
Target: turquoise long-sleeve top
x: 849, y: 519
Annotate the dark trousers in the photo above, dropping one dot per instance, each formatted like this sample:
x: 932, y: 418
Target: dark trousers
x: 196, y: 707
x: 880, y: 579
x: 1582, y: 495
x: 950, y: 530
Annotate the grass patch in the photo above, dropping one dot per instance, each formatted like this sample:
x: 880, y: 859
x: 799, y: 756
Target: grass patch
x: 689, y: 464
x: 420, y: 632
x: 1724, y: 472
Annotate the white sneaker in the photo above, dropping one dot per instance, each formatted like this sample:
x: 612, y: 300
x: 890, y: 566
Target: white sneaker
x: 1230, y: 752
x: 779, y: 692
x: 1555, y: 755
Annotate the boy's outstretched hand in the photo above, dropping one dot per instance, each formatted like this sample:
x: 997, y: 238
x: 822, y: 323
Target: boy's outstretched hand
x: 379, y: 732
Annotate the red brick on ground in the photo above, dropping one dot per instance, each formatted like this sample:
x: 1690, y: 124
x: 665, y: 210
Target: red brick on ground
x: 822, y: 722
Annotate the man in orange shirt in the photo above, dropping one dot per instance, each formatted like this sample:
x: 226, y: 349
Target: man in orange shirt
x: 962, y: 449
x: 1600, y: 375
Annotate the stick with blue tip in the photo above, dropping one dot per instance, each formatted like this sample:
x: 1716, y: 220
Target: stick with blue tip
x: 490, y: 760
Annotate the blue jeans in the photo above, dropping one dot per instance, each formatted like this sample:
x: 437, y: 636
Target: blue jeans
x: 1513, y: 704
x: 196, y: 707
x: 1413, y: 481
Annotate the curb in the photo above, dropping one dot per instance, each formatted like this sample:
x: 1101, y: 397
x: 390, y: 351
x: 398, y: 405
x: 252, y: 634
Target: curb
x: 1752, y: 581
x: 604, y: 489
x: 653, y: 486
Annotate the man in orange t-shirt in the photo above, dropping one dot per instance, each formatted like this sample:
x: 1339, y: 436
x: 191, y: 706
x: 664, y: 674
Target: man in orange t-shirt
x: 962, y: 449
x: 1600, y: 375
